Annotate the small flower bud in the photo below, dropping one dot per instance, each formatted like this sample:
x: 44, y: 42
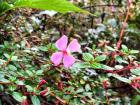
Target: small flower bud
x: 24, y: 101
x: 44, y: 92
x: 42, y: 82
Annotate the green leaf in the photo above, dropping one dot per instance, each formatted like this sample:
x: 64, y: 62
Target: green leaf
x: 80, y: 65
x: 29, y: 88
x: 87, y: 87
x: 89, y: 94
x: 136, y: 71
x: 121, y: 78
x: 2, y: 79
x: 80, y: 90
x: 110, y: 48
x: 30, y: 73
x: 120, y: 60
x: 96, y: 65
x: 43, y: 48
x: 135, y: 100
x: 4, y: 6
x: 17, y: 96
x: 12, y: 67
x: 7, y: 56
x: 105, y: 67
x: 100, y: 58
x: 12, y: 87
x: 39, y: 72
x: 14, y: 58
x: 35, y: 100
x: 101, y: 66
x: 87, y: 57
x: 61, y: 6
x: 124, y: 48
x: 134, y: 51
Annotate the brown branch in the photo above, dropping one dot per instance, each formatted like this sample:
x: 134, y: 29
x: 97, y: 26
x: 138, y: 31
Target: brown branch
x: 123, y: 25
x: 105, y: 85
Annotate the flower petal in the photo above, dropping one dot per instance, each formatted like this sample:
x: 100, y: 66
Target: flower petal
x: 56, y: 58
x: 61, y: 43
x: 74, y: 46
x: 68, y: 60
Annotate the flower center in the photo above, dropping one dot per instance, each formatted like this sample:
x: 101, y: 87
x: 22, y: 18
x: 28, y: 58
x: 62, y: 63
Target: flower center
x: 65, y: 52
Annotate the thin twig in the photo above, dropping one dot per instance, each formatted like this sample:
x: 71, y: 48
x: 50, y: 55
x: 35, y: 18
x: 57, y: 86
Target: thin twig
x: 124, y: 25
x: 105, y: 88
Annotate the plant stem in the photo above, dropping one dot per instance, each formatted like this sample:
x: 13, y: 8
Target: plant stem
x: 124, y: 25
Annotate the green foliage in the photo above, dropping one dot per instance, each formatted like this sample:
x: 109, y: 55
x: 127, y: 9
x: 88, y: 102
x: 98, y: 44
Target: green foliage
x: 88, y: 57
x: 61, y: 6
x: 35, y: 100
x: 100, y: 58
x: 136, y: 71
x: 101, y: 70
x: 121, y: 78
x: 18, y: 96
x: 4, y: 6
x: 135, y: 100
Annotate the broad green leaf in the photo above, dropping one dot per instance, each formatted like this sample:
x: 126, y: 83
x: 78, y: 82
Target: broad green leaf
x: 4, y: 6
x: 135, y: 100
x: 30, y: 73
x: 80, y: 65
x: 39, y: 72
x: 124, y: 48
x: 80, y: 90
x: 87, y: 87
x: 136, y: 71
x: 12, y: 67
x: 19, y: 82
x: 100, y: 58
x: 66, y: 97
x: 120, y: 60
x: 110, y: 48
x: 88, y: 57
x: 89, y: 94
x: 105, y: 67
x: 12, y: 87
x: 17, y: 96
x: 2, y: 79
x: 96, y: 65
x: 14, y: 58
x: 101, y: 66
x: 61, y: 6
x: 35, y: 100
x: 43, y: 48
x: 7, y: 56
x: 121, y: 78
x: 134, y: 51
x: 29, y: 88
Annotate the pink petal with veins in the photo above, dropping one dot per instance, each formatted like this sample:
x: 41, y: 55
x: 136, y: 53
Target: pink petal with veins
x: 61, y: 43
x: 68, y: 60
x: 74, y: 46
x: 56, y: 58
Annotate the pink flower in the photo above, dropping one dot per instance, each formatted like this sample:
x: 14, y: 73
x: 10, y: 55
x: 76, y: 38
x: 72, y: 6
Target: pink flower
x: 63, y: 55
